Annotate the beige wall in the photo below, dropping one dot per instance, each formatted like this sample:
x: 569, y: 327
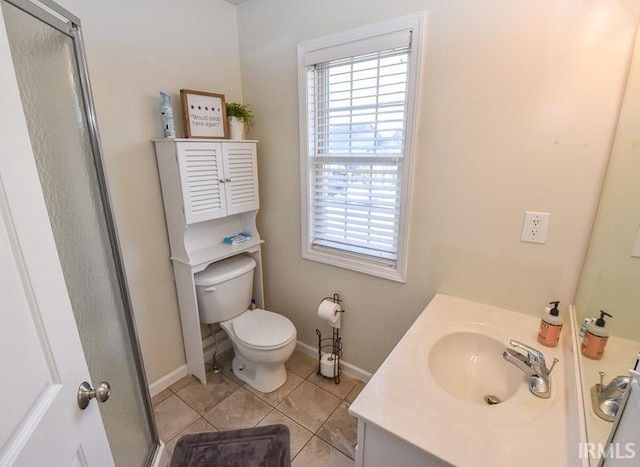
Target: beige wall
x: 611, y: 277
x: 517, y: 110
x: 134, y: 50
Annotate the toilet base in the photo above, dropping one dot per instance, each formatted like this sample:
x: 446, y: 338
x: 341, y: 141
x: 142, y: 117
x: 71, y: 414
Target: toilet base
x: 265, y: 377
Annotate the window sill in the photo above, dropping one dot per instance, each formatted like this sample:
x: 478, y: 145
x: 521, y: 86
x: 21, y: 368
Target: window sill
x: 347, y: 261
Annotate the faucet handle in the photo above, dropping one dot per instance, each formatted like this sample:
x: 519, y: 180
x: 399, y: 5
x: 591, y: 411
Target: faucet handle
x: 534, y: 355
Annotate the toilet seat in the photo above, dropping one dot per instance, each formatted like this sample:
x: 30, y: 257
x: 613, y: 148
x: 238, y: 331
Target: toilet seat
x: 262, y: 329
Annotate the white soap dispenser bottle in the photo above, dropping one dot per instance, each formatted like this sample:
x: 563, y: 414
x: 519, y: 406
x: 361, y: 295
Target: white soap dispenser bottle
x: 595, y: 338
x: 550, y: 326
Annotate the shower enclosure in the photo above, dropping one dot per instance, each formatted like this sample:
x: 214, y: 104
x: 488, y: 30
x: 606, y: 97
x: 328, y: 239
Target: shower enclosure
x: 48, y: 57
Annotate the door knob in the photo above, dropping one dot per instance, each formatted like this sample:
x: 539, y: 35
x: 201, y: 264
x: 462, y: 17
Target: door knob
x: 86, y: 393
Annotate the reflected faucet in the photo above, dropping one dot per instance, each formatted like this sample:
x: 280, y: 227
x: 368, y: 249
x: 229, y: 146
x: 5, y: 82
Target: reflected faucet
x: 606, y: 399
x: 533, y: 365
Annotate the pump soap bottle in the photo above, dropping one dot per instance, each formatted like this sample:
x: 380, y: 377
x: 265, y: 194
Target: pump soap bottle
x: 595, y: 338
x: 550, y: 326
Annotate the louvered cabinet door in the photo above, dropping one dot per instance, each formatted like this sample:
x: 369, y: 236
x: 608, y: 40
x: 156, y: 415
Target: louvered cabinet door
x: 241, y: 177
x: 201, y: 173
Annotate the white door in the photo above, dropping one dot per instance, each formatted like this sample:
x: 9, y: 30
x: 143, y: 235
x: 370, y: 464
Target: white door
x: 41, y: 357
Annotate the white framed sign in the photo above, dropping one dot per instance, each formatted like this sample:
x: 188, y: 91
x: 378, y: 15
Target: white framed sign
x: 204, y: 114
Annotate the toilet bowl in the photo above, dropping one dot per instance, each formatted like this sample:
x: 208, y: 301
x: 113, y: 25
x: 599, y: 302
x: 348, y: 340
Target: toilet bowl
x: 262, y: 340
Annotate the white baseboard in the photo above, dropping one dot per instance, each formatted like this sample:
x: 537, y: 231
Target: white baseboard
x: 167, y: 380
x: 347, y: 367
x: 224, y: 345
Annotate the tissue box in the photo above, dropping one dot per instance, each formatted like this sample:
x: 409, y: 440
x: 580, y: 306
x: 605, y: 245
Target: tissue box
x: 236, y: 239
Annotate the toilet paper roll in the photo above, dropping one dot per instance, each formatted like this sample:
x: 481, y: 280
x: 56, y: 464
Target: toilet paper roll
x: 330, y: 311
x: 327, y: 363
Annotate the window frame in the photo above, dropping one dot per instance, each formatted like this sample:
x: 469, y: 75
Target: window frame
x: 342, y: 258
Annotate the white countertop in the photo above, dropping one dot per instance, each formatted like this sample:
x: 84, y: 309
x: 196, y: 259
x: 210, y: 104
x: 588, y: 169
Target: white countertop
x: 403, y: 399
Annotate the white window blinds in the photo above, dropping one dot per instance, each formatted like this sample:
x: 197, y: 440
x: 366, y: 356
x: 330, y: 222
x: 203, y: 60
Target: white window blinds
x: 357, y: 108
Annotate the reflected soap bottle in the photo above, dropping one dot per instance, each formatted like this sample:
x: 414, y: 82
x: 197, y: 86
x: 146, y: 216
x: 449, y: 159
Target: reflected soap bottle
x: 595, y: 338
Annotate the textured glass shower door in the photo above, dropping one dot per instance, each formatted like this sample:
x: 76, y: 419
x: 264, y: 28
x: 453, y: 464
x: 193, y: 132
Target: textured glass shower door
x: 59, y: 116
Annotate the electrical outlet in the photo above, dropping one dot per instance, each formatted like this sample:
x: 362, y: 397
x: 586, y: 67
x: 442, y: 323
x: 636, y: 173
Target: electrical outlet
x: 535, y: 226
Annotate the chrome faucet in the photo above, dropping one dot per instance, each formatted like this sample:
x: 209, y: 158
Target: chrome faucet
x: 533, y: 365
x: 606, y: 400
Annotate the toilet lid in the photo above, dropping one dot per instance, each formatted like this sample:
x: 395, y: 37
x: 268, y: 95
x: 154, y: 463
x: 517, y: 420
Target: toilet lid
x: 262, y: 328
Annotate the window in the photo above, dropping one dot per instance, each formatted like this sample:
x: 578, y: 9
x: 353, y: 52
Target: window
x: 357, y: 112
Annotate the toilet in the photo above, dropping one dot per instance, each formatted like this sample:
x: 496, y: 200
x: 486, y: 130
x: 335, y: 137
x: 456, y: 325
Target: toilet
x: 262, y: 340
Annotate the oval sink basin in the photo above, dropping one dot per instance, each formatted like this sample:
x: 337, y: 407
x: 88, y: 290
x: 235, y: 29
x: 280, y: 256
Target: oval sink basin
x: 470, y: 367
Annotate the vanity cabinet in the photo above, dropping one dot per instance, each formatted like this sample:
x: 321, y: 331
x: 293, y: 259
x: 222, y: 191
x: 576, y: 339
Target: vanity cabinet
x: 409, y: 415
x: 379, y: 448
x: 210, y: 191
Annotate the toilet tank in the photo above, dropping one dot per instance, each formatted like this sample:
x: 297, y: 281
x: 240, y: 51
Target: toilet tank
x: 224, y: 288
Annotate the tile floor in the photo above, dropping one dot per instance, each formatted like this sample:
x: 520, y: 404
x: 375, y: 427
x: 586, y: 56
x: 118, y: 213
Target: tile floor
x: 323, y: 434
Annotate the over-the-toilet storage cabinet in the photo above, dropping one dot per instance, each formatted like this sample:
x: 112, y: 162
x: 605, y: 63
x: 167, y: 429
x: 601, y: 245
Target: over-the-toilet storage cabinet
x: 210, y: 191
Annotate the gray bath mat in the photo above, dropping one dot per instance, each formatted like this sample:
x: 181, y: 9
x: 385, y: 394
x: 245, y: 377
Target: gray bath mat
x: 266, y: 446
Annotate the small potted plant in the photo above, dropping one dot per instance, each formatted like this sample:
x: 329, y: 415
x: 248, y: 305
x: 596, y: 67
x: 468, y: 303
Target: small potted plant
x: 240, y: 117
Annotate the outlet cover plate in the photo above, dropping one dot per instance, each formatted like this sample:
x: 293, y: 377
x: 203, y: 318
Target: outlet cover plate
x: 535, y: 226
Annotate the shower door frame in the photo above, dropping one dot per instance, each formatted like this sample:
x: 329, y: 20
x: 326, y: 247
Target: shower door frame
x: 70, y: 25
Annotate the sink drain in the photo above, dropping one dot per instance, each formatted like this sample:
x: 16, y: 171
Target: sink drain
x: 491, y: 400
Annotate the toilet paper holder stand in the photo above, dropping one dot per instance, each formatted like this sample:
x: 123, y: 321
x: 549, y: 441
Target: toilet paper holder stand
x: 331, y: 346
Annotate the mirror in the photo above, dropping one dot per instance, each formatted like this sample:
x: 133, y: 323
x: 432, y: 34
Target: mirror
x: 610, y: 278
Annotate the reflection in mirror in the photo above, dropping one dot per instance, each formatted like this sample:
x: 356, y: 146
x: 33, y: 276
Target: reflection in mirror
x: 610, y: 278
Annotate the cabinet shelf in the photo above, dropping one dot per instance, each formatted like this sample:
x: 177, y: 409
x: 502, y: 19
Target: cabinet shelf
x: 199, y: 259
x: 191, y: 140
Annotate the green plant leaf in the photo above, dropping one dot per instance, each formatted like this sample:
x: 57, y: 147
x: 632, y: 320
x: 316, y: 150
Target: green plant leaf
x: 241, y: 111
